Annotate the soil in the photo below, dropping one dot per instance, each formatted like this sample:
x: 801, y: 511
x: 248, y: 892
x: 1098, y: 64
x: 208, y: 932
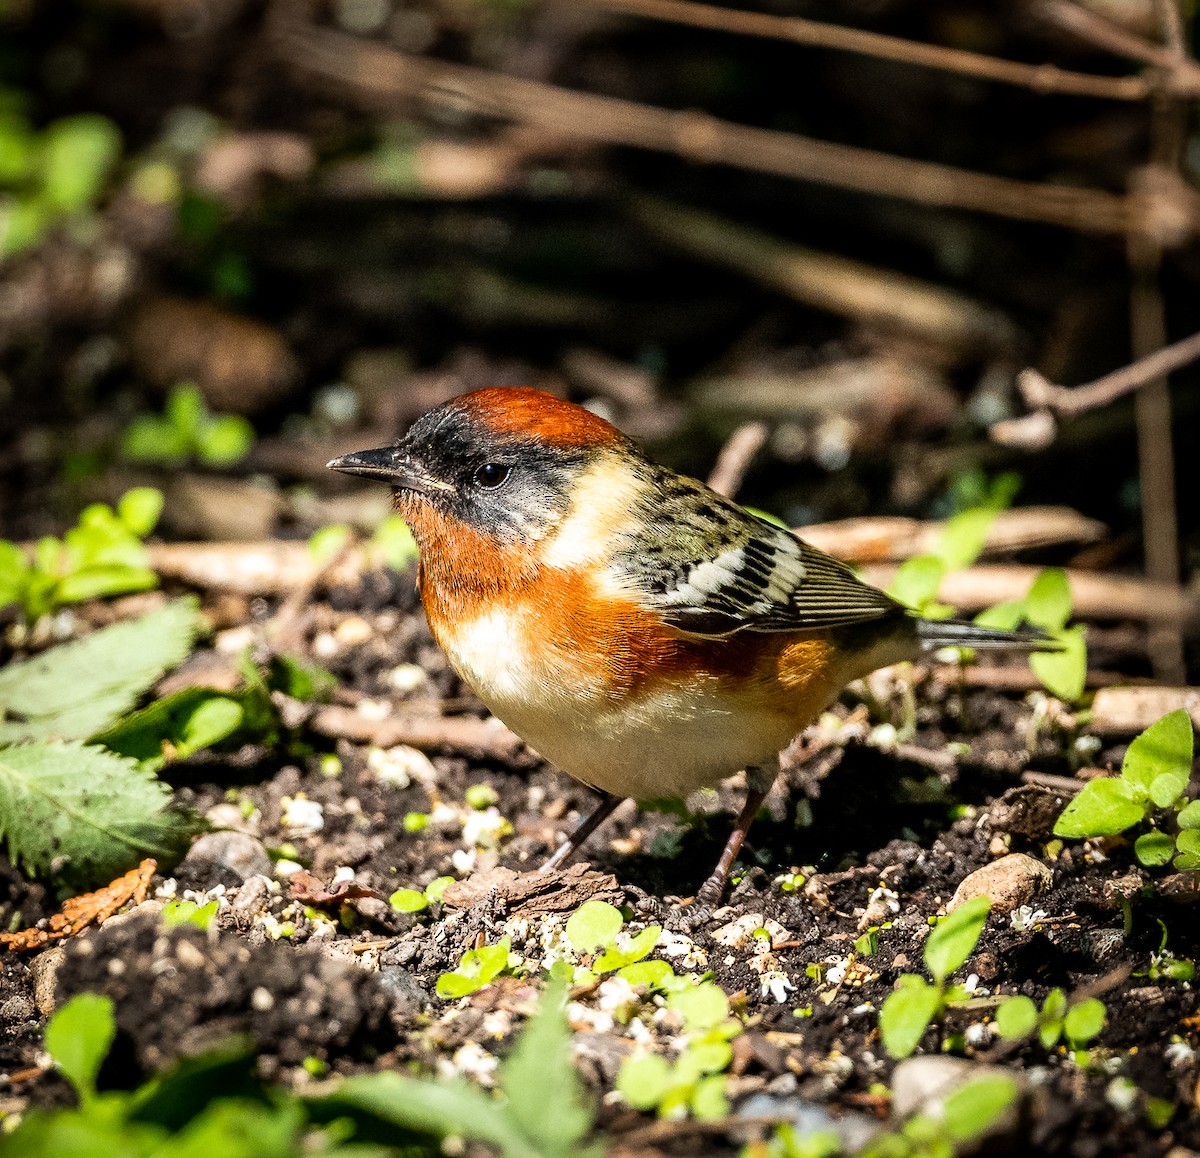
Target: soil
x: 882, y: 839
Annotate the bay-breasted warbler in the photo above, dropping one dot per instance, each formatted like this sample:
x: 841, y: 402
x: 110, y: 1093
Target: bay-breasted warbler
x: 640, y: 631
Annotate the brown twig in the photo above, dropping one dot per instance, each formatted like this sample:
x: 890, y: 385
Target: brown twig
x: 461, y: 735
x: 1069, y: 401
x: 1042, y: 78
x: 1100, y: 597
x: 735, y: 458
x: 380, y: 75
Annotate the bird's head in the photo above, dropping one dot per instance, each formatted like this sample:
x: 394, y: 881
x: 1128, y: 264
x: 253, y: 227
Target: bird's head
x: 501, y: 461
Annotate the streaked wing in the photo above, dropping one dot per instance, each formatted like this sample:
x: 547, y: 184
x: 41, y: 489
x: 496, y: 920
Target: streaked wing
x: 710, y: 568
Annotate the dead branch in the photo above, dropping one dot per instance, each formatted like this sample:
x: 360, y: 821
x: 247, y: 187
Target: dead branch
x: 1099, y: 597
x: 378, y: 75
x: 1125, y: 711
x: 263, y: 568
x: 461, y: 735
x: 871, y: 296
x: 1069, y: 401
x: 1042, y: 78
x: 736, y: 456
x: 883, y: 539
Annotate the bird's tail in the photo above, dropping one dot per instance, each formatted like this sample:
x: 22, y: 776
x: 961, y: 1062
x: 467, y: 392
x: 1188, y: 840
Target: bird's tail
x: 935, y: 633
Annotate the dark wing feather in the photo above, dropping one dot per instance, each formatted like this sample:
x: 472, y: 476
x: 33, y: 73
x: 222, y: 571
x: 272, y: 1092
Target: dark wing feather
x: 710, y: 568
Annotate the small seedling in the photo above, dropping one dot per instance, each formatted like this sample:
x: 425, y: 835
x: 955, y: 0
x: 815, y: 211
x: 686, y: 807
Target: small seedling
x: 695, y: 1082
x: 916, y: 1004
x: 1076, y: 1023
x: 1154, y: 776
x: 596, y: 928
x: 476, y: 968
x: 187, y: 430
x: 176, y: 913
x: 417, y: 900
x: 103, y: 554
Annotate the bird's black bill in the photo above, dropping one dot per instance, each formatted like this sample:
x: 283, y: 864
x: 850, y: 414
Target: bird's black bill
x: 387, y: 464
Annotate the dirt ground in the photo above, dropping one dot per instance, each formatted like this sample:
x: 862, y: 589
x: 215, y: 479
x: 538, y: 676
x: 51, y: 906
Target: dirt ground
x: 882, y: 835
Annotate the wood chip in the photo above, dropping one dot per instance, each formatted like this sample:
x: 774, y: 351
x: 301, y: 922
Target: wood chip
x: 84, y: 910
x: 1125, y: 711
x: 535, y: 892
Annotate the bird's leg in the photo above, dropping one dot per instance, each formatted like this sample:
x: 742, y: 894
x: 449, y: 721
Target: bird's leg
x: 758, y: 784
x: 605, y: 809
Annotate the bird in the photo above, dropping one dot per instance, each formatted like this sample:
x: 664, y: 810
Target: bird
x: 640, y: 631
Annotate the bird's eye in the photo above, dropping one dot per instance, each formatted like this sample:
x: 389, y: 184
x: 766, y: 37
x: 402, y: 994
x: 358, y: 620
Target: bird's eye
x: 492, y: 474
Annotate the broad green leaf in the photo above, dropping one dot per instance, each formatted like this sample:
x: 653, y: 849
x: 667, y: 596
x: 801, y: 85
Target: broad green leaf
x: 408, y: 901
x: 593, y: 925
x: 98, y: 582
x: 643, y: 1080
x: 540, y: 1074
x: 1064, y: 672
x: 1048, y: 602
x: 703, y: 1057
x: 442, y: 1109
x: 83, y: 814
x: 1016, y: 1017
x: 1084, y: 1021
x: 77, y: 689
x: 906, y: 1014
x: 1159, y: 761
x: 1103, y: 807
x: 639, y: 947
x: 1004, y: 616
x: 954, y: 938
x: 1187, y: 845
x: 971, y: 1110
x: 176, y: 913
x: 139, y: 509
x: 649, y: 973
x: 225, y: 440
x: 1154, y: 848
x: 709, y: 1101
x: 701, y: 1006
x: 964, y: 536
x: 917, y: 580
x: 451, y: 986
x: 77, y: 156
x: 149, y: 438
x: 78, y: 1037
x: 186, y: 411
x: 180, y: 723
x: 24, y: 220
x: 1189, y: 815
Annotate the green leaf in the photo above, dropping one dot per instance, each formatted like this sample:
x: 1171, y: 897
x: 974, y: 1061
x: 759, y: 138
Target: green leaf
x: 639, y: 947
x: 225, y: 440
x: 1159, y: 761
x: 177, y: 913
x: 964, y: 536
x: 1189, y: 815
x: 180, y: 723
x: 1048, y: 603
x: 906, y: 1014
x: 24, y: 220
x: 709, y: 1101
x: 1103, y: 807
x: 643, y: 1080
x: 14, y: 573
x: 1004, y: 616
x: 649, y: 973
x: 972, y: 1109
x: 1016, y: 1017
x: 83, y: 814
x: 394, y: 542
x: 1154, y: 848
x: 1084, y: 1021
x: 149, y: 438
x: 539, y: 1075
x: 408, y: 901
x: 77, y: 155
x: 593, y: 925
x: 139, y: 509
x: 917, y: 580
x: 700, y: 1006
x: 1064, y: 672
x: 80, y: 688
x: 186, y: 412
x: 954, y: 938
x: 78, y: 1037
x: 437, y: 888
x: 1187, y: 845
x: 442, y: 1109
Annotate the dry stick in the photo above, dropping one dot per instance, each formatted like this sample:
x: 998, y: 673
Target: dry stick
x: 383, y: 76
x: 1068, y: 401
x: 1042, y: 78
x: 736, y: 456
x: 461, y: 735
x: 1182, y: 72
x: 828, y: 281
